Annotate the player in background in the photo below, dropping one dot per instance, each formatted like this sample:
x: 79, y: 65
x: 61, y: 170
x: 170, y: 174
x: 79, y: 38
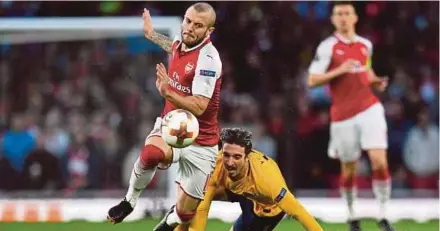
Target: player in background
x: 254, y: 180
x: 343, y: 60
x: 192, y: 83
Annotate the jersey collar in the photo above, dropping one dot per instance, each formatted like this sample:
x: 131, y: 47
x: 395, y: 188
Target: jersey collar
x: 205, y: 41
x: 345, y: 40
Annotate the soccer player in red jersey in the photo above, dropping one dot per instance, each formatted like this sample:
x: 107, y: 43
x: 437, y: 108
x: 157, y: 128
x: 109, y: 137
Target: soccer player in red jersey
x: 192, y: 82
x: 343, y: 61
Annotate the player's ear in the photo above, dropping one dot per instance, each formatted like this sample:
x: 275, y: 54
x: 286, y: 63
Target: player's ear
x: 332, y: 19
x: 210, y: 30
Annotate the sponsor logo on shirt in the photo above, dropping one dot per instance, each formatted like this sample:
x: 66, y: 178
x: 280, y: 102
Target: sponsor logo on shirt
x: 176, y: 85
x: 358, y: 67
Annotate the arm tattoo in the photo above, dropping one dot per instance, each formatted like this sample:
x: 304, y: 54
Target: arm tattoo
x: 163, y: 41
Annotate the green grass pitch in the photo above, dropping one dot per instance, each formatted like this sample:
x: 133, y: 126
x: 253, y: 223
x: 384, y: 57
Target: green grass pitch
x: 213, y: 225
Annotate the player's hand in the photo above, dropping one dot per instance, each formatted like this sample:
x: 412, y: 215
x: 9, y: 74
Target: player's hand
x: 148, y: 26
x: 347, y: 66
x: 380, y: 83
x: 162, y: 79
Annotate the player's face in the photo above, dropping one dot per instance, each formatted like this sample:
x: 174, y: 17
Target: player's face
x: 234, y: 159
x: 344, y: 18
x: 195, y: 27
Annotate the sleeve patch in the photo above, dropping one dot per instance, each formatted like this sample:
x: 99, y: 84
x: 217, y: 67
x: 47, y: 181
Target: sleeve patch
x: 281, y: 195
x: 207, y: 73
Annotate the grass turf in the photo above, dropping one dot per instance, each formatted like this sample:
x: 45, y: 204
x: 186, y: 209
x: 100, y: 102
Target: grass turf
x: 213, y: 225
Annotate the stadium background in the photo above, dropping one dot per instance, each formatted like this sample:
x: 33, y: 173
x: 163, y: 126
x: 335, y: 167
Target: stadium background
x: 82, y: 108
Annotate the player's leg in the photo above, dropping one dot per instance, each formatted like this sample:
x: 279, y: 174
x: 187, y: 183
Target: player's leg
x: 248, y: 220
x: 195, y: 165
x: 265, y: 223
x: 154, y: 152
x: 374, y: 139
x: 181, y: 213
x: 345, y: 146
x: 246, y: 217
x: 348, y: 189
x: 381, y: 184
x: 242, y: 223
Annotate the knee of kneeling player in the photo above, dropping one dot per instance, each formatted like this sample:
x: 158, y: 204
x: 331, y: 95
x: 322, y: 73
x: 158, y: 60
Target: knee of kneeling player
x: 185, y: 216
x: 151, y: 156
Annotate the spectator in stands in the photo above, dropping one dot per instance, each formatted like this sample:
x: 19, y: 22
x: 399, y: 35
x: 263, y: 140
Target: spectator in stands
x: 421, y: 151
x: 56, y: 139
x: 263, y: 141
x: 13, y: 179
x: 398, y: 127
x: 42, y: 170
x: 82, y: 164
x: 17, y: 142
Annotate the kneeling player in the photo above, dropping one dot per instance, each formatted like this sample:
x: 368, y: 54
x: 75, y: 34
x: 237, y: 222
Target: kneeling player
x: 253, y: 179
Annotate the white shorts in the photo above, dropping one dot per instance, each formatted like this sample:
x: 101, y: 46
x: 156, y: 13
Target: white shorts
x: 364, y: 131
x: 196, y: 164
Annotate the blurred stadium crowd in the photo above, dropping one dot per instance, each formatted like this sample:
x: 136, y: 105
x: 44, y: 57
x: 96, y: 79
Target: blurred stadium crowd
x: 73, y: 114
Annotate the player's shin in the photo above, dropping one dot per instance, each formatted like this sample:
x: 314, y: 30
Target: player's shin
x: 382, y: 189
x: 349, y: 193
x: 143, y: 172
x: 179, y: 217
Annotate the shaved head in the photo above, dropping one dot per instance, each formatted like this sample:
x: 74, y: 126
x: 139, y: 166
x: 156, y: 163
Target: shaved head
x: 198, y: 23
x: 203, y: 7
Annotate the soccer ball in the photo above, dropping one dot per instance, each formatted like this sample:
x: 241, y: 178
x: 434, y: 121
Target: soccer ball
x: 179, y: 128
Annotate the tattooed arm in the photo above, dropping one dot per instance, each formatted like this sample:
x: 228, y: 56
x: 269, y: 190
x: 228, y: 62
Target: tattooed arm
x: 161, y: 40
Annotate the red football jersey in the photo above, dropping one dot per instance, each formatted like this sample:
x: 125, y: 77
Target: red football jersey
x: 350, y: 93
x: 197, y: 71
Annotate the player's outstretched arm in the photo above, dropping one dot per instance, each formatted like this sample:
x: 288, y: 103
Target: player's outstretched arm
x: 316, y: 79
x: 378, y: 83
x: 318, y: 70
x: 161, y: 40
x: 290, y: 205
x: 195, y: 104
x: 281, y: 195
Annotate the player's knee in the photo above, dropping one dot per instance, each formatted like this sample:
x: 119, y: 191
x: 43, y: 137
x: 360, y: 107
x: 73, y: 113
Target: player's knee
x: 348, y: 175
x: 349, y: 169
x: 347, y: 181
x: 185, y: 216
x: 379, y: 164
x: 151, y: 156
x: 381, y: 174
x: 378, y: 159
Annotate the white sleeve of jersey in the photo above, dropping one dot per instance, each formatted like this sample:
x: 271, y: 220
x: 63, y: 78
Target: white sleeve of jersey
x: 322, y: 59
x: 208, y: 70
